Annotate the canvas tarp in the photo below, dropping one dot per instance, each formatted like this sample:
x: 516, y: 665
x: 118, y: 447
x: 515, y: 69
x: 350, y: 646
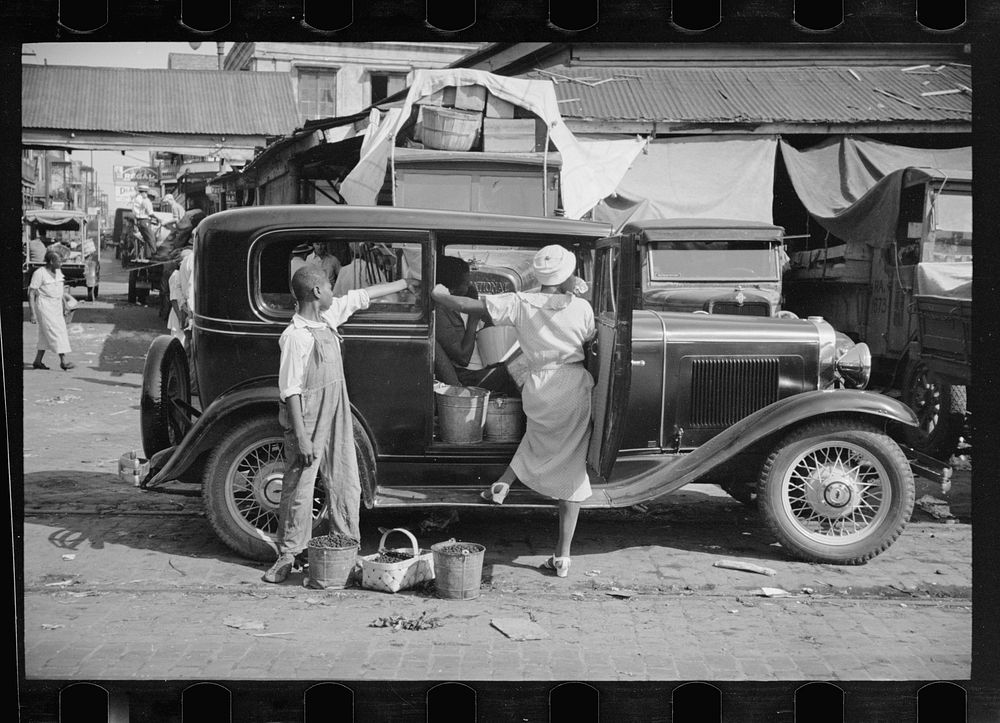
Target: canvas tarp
x: 730, y: 177
x: 851, y: 186
x: 589, y: 172
x: 953, y: 280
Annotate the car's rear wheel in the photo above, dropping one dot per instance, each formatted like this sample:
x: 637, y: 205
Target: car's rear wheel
x: 940, y: 407
x: 836, y: 492
x: 242, y: 486
x: 165, y: 378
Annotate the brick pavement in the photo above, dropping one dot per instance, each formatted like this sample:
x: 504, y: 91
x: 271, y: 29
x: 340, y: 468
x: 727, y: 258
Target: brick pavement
x: 147, y: 596
x: 325, y: 635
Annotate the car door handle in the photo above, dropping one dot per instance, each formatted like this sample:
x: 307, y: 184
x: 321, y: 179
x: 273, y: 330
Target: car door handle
x: 638, y: 362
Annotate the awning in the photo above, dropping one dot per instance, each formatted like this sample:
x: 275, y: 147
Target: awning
x: 729, y: 177
x: 851, y: 186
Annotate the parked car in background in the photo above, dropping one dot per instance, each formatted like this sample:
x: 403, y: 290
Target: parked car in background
x: 869, y: 291
x: 761, y: 405
x: 715, y: 266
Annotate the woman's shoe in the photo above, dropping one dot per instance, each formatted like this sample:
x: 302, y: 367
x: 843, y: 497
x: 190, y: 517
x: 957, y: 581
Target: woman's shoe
x: 38, y: 365
x: 559, y: 565
x: 496, y: 493
x: 67, y: 366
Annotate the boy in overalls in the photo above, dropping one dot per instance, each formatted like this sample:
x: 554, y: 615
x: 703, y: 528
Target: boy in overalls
x: 315, y: 414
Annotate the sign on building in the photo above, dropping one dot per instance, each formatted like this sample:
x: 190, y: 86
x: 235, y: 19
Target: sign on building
x: 135, y: 175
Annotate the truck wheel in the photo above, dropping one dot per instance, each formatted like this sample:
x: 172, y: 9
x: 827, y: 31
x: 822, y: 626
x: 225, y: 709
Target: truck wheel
x: 131, y: 288
x: 165, y: 377
x: 940, y: 408
x: 836, y: 492
x: 242, y: 486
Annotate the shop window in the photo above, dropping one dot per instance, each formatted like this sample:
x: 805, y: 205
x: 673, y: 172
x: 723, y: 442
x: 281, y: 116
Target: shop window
x: 317, y: 93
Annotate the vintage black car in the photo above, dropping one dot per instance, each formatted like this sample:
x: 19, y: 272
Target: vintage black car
x: 764, y: 406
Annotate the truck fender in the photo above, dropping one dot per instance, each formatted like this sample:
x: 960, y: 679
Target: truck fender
x: 210, y: 427
x: 631, y: 488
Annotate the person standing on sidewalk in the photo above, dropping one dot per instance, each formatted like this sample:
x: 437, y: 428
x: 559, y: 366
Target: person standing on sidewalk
x: 142, y: 209
x: 552, y: 326
x: 46, y: 304
x: 315, y: 414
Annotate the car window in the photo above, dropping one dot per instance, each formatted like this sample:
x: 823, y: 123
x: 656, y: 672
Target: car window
x: 706, y: 260
x: 350, y: 263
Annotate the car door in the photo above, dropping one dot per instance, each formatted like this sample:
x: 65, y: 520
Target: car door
x: 610, y: 355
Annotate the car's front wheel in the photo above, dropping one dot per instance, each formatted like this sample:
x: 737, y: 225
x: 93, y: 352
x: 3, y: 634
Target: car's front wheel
x: 836, y: 492
x: 242, y: 486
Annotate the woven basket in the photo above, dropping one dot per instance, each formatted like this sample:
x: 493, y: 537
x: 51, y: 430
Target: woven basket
x: 447, y: 129
x: 396, y: 576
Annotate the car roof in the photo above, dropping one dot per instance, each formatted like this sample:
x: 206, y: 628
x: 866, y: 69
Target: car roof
x: 258, y: 217
x: 696, y: 223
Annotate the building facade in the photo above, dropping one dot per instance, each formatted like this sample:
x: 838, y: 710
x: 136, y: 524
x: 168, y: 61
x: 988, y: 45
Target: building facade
x: 338, y: 79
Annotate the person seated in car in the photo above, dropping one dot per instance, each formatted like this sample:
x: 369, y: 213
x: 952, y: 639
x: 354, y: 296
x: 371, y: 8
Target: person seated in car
x: 375, y: 263
x: 456, y: 359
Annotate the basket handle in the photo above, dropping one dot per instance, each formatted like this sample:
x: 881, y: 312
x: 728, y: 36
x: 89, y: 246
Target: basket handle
x: 413, y: 540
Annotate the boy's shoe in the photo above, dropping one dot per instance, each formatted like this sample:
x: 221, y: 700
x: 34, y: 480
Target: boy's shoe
x: 278, y: 572
x: 560, y: 565
x: 301, y: 560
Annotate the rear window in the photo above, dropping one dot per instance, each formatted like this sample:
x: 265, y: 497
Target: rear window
x: 350, y: 260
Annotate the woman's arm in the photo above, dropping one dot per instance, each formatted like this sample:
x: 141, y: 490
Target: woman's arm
x: 32, y: 299
x: 463, y: 304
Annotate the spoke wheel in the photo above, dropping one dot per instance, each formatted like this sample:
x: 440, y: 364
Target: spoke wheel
x: 242, y: 485
x: 836, y: 493
x: 940, y: 408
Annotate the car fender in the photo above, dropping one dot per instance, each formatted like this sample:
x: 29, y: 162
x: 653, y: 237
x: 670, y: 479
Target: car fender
x: 253, y: 397
x: 635, y: 483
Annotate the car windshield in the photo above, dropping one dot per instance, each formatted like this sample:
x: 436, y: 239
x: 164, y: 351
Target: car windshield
x: 952, y: 227
x: 709, y: 260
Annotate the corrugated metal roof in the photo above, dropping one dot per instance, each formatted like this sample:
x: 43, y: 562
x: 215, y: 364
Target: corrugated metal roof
x: 802, y: 94
x: 157, y: 101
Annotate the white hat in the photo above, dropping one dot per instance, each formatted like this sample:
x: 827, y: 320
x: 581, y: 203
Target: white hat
x: 143, y: 187
x: 553, y: 265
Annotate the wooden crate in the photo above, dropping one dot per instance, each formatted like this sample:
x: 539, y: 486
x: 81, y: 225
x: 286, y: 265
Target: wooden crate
x: 516, y: 135
x: 498, y: 107
x: 470, y: 97
x: 443, y: 98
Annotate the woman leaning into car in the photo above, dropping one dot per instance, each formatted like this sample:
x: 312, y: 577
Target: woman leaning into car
x: 552, y: 326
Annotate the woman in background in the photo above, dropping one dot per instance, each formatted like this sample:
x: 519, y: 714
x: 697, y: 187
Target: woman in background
x: 47, y: 308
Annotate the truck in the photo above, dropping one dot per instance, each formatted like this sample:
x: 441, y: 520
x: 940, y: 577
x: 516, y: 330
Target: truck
x: 868, y: 288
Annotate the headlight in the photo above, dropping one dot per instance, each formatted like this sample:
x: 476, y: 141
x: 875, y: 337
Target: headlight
x: 855, y: 365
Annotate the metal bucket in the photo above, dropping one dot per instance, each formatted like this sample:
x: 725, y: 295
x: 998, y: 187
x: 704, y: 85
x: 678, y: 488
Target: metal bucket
x: 330, y: 567
x: 504, y: 420
x: 458, y: 574
x: 461, y: 413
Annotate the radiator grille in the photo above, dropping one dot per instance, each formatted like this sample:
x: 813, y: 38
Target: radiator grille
x: 724, y: 391
x: 753, y: 308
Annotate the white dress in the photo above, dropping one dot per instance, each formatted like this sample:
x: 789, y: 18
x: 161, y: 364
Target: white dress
x: 556, y: 396
x: 52, y: 334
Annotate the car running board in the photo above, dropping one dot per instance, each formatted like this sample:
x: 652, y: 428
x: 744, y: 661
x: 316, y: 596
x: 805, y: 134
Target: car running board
x: 468, y: 496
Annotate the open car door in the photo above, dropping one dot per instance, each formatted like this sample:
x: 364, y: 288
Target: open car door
x: 610, y: 359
